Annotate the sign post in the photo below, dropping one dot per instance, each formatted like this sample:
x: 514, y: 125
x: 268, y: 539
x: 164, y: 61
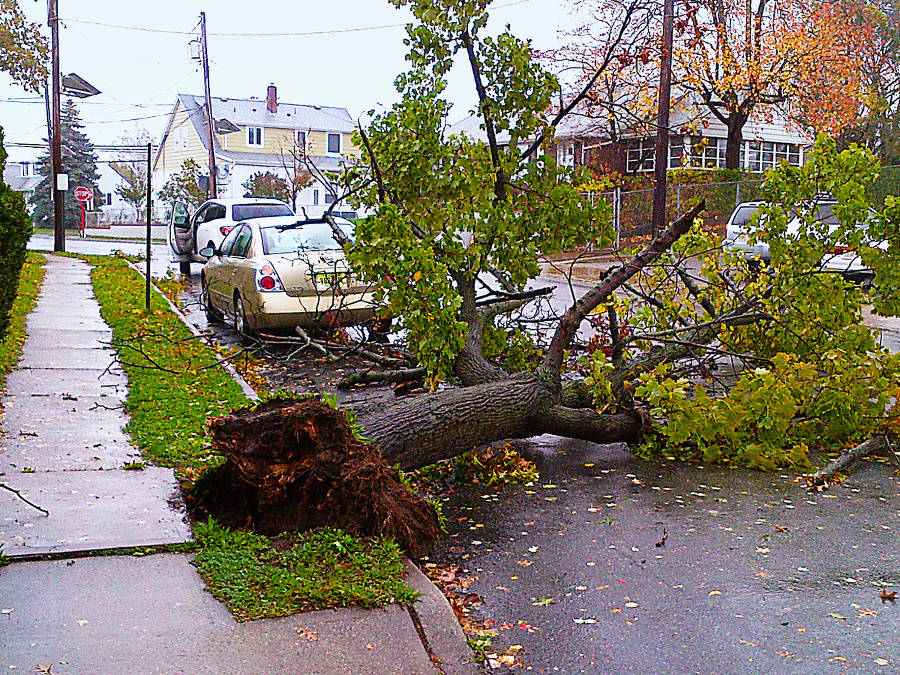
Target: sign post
x: 83, y: 194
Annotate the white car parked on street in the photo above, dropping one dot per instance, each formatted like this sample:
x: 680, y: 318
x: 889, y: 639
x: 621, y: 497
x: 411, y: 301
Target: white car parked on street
x: 210, y: 224
x: 840, y: 259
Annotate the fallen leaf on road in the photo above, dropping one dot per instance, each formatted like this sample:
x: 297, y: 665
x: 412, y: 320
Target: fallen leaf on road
x: 310, y: 635
x: 882, y: 662
x: 715, y: 593
x: 631, y: 605
x: 82, y: 622
x: 747, y: 642
x: 785, y: 655
x: 532, y: 549
x: 762, y: 549
x: 835, y: 615
x: 867, y: 612
x: 370, y: 646
x: 588, y: 620
x: 662, y: 542
x: 525, y: 563
x: 616, y: 610
x: 543, y: 602
x: 888, y: 596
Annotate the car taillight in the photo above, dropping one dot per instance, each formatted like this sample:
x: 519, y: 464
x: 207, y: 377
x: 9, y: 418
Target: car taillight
x: 267, y: 278
x: 840, y: 250
x: 225, y: 229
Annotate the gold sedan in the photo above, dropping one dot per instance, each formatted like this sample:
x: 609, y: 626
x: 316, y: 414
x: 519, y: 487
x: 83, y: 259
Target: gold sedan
x: 283, y: 272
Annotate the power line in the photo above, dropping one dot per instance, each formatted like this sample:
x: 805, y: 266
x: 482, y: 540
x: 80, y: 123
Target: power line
x: 335, y: 31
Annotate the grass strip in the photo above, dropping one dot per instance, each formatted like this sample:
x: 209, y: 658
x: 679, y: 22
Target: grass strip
x: 29, y: 286
x: 261, y: 578
x: 174, y: 382
x: 174, y: 385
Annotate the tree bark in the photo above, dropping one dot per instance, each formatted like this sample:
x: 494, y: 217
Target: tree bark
x: 424, y: 429
x: 734, y: 140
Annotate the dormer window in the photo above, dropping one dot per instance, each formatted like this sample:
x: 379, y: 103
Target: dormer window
x: 254, y: 136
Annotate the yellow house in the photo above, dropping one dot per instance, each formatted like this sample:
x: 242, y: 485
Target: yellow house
x: 259, y: 135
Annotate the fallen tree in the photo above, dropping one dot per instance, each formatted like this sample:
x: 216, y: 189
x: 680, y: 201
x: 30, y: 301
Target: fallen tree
x: 690, y: 351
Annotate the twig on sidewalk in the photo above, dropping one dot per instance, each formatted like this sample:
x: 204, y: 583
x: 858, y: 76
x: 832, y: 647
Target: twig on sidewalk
x: 20, y: 496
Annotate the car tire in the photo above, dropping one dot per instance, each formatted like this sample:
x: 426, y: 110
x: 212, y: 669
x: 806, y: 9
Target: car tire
x: 240, y: 320
x: 185, y: 268
x: 212, y: 314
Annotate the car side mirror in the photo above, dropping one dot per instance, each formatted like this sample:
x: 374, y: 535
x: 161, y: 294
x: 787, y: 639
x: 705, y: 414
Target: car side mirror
x: 208, y: 251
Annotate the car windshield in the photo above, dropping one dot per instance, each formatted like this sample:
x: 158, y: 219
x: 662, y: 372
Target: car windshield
x: 247, y: 211
x: 308, y: 237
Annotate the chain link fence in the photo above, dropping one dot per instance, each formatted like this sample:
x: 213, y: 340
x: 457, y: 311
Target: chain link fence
x: 632, y: 209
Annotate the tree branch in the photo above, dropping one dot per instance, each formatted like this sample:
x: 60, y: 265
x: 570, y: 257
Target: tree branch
x: 551, y: 365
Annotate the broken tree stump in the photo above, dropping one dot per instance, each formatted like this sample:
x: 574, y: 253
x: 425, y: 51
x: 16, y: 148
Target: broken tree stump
x: 294, y: 464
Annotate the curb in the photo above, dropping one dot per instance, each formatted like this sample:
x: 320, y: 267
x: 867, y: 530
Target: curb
x: 441, y: 633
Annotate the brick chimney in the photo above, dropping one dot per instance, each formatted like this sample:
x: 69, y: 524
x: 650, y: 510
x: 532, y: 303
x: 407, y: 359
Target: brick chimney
x: 272, y: 99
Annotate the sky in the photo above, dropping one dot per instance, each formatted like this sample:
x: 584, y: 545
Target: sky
x: 343, y: 53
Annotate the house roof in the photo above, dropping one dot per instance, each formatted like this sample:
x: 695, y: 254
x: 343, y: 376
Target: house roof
x: 323, y: 163
x: 571, y: 126
x: 12, y: 176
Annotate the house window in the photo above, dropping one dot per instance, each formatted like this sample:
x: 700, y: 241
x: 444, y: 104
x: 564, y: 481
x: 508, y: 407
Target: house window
x: 254, y: 136
x: 676, y: 152
x: 25, y: 169
x: 180, y: 139
x: 762, y: 155
x: 315, y: 197
x: 329, y: 197
x: 108, y: 198
x: 639, y: 156
x: 334, y: 143
x: 709, y: 153
x: 301, y: 141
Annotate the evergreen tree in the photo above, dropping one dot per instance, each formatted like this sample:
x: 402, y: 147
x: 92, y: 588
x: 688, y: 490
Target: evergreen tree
x: 78, y: 160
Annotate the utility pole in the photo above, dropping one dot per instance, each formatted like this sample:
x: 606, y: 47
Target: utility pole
x: 662, y: 130
x: 213, y: 193
x: 59, y: 233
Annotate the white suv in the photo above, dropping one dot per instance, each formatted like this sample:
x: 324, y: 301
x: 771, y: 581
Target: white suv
x: 212, y: 222
x: 840, y: 258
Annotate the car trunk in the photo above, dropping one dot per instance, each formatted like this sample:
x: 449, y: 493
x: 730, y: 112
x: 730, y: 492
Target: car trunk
x: 314, y: 273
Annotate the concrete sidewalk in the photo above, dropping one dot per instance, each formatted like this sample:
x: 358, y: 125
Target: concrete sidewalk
x: 63, y: 448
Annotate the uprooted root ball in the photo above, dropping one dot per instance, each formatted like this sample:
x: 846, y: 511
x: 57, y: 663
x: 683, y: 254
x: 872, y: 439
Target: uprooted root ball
x: 294, y: 465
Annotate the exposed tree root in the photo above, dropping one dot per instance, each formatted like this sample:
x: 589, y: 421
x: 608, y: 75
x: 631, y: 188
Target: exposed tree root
x: 293, y: 465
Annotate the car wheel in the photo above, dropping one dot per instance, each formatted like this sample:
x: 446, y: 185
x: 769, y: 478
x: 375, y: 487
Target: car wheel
x: 212, y: 314
x: 240, y: 320
x: 185, y: 268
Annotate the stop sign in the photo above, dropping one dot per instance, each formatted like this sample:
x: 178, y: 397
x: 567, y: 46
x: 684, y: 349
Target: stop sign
x: 84, y: 194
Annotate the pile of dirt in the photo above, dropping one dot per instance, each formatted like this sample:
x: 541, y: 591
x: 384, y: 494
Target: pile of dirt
x: 294, y: 465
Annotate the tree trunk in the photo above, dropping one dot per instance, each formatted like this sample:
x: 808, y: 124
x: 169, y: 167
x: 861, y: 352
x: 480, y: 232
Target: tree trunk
x: 421, y: 430
x: 734, y: 140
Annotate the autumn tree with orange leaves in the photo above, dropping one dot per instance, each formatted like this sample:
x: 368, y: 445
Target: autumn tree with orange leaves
x: 731, y: 58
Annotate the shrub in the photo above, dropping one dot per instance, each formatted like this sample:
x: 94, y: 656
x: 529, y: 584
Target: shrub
x: 15, y: 230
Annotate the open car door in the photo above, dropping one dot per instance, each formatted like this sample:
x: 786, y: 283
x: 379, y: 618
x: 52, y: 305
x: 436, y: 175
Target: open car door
x: 181, y: 236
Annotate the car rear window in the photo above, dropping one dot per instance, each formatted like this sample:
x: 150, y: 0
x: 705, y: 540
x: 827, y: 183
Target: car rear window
x: 246, y: 211
x: 308, y: 237
x: 743, y: 214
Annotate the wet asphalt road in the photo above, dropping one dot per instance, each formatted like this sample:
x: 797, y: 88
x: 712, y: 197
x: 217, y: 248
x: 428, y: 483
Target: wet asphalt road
x: 755, y: 576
